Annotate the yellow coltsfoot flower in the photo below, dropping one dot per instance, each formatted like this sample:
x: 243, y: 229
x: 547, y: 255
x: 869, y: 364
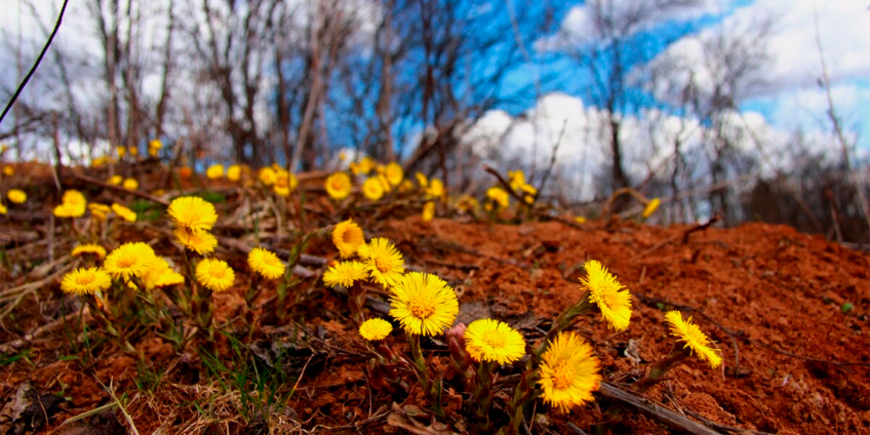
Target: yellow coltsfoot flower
x: 338, y: 185
x: 651, y: 207
x: 428, y: 211
x: 192, y: 213
x: 611, y: 297
x: 348, y: 238
x: 569, y: 372
x: 394, y: 173
x: 130, y: 184
x: 215, y: 171
x: 215, y: 275
x: 124, y: 212
x: 17, y: 196
x: 234, y: 173
x: 86, y: 281
x: 695, y: 340
x: 383, y: 261
x: 373, y: 189
x: 375, y: 329
x: 345, y: 274
x: 200, y: 241
x: 130, y: 259
x: 91, y: 249
x: 266, y: 263
x: 423, y: 303
x: 490, y: 340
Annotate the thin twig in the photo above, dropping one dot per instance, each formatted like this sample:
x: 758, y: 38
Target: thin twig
x: 653, y: 410
x: 105, y: 185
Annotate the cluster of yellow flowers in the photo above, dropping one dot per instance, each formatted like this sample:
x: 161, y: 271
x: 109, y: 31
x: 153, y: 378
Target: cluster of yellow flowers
x: 193, y: 218
x: 154, y: 147
x: 133, y: 263
x: 282, y: 182
x: 127, y: 183
x: 74, y: 204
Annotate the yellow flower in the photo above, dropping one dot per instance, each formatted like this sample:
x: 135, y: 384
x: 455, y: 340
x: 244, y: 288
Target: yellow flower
x: 124, y: 212
x: 612, y: 298
x: 345, y: 274
x: 580, y: 220
x: 375, y: 329
x: 115, y: 180
x: 428, y: 211
x: 421, y: 180
x: 423, y: 303
x: 160, y: 274
x: 467, y: 203
x: 215, y: 171
x: 338, y: 185
x: 354, y: 168
x: 494, y: 341
x: 153, y: 152
x: 569, y: 372
x: 385, y: 183
x: 8, y: 171
x: 234, y: 173
x: 436, y: 188
x: 373, y: 189
x: 348, y: 238
x: 395, y: 174
x: 517, y: 179
x: 192, y: 213
x: 651, y: 207
x: 406, y: 186
x: 200, y: 241
x: 99, y: 162
x: 366, y: 165
x: 74, y: 197
x: 266, y: 263
x: 97, y: 250
x: 85, y: 281
x: 99, y: 211
x: 134, y: 151
x: 155, y: 144
x: 384, y: 261
x: 215, y: 275
x: 122, y: 151
x: 695, y: 339
x: 130, y: 259
x: 267, y: 176
x: 3, y: 209
x: 67, y: 210
x: 17, y: 196
x: 499, y: 196
x: 285, y: 183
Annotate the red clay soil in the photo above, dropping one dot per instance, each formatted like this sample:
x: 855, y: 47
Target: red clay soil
x: 769, y: 296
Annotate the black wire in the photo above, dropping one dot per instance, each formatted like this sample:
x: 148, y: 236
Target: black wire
x: 36, y: 64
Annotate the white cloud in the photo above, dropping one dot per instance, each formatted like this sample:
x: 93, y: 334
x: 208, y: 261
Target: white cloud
x: 579, y: 27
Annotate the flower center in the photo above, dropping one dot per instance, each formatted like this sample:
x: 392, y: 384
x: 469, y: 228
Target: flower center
x: 494, y: 339
x: 337, y: 184
x: 217, y: 273
x: 422, y: 309
x: 382, y: 265
x: 610, y: 298
x: 126, y: 262
x: 563, y: 375
x: 84, y: 279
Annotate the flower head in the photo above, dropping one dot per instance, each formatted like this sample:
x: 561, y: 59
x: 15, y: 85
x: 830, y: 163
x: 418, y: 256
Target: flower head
x: 115, y: 180
x: 99, y: 211
x: 345, y: 274
x: 384, y: 261
x: 8, y: 171
x: 421, y: 179
x: 234, y: 173
x: 130, y: 259
x: 428, y: 211
x: 423, y: 303
x: 215, y: 275
x: 200, y: 241
x: 394, y: 173
x: 3, y: 209
x: 267, y: 176
x: 499, y: 196
x: 285, y: 183
x: 69, y: 210
x: 122, y: 151
x: 130, y: 184
x: 85, y: 281
x: 348, y: 238
x: 81, y: 250
x: 338, y: 185
x: 569, y: 372
x: 373, y: 189
x: 266, y: 263
x: 124, y: 212
x: 695, y: 339
x: 74, y: 197
x: 161, y: 275
x: 192, y: 213
x: 494, y: 341
x: 435, y: 189
x: 651, y: 207
x: 608, y: 294
x: 366, y: 165
x: 16, y: 195
x: 215, y: 171
x: 375, y: 329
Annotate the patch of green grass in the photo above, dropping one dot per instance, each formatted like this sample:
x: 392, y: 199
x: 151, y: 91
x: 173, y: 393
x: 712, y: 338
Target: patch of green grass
x: 7, y: 359
x: 147, y: 210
